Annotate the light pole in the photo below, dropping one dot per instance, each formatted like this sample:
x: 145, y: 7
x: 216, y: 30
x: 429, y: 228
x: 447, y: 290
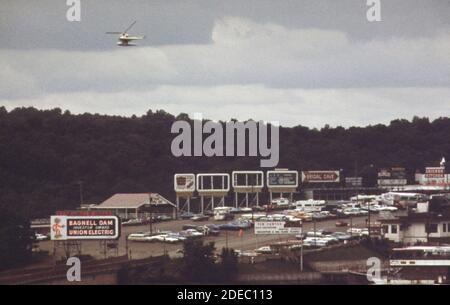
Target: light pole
x: 357, y: 191
x: 80, y: 183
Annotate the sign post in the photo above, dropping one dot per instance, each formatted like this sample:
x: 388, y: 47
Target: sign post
x: 184, y: 186
x: 212, y: 186
x: 281, y: 228
x: 282, y: 181
x: 248, y: 183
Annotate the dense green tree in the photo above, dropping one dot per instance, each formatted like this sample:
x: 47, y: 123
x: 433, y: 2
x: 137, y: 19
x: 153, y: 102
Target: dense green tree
x: 228, y: 267
x: 198, y: 264
x: 45, y: 153
x: 16, y: 240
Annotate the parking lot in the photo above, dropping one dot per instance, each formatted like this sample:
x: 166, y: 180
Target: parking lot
x: 247, y: 241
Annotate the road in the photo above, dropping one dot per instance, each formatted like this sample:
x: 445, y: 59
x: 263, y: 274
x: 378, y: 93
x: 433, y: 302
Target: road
x: 248, y: 241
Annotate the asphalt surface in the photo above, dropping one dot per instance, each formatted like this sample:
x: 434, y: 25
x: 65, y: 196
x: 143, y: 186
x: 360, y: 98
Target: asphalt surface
x: 248, y: 241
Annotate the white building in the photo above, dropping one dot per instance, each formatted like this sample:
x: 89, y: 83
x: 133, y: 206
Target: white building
x: 420, y: 226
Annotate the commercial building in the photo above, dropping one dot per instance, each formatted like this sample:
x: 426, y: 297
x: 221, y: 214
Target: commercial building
x: 137, y: 205
x: 425, y: 224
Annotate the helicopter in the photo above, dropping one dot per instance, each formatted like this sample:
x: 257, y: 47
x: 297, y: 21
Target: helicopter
x: 124, y: 38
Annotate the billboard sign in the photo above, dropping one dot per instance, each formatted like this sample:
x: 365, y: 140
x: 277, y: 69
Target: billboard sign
x: 353, y: 181
x: 398, y: 173
x: 384, y: 173
x: 278, y: 227
x: 435, y: 172
x: 184, y: 183
x: 248, y: 180
x: 66, y: 227
x: 321, y: 176
x: 282, y: 179
x: 392, y: 182
x: 213, y: 183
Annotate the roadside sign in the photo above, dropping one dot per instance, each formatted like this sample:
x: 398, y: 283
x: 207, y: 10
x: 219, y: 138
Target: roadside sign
x: 65, y: 227
x: 392, y: 182
x: 320, y: 176
x: 282, y: 179
x: 184, y: 183
x: 435, y: 172
x: 353, y: 181
x: 278, y: 227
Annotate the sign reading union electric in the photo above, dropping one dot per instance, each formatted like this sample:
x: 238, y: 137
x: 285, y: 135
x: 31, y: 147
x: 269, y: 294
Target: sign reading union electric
x: 84, y: 227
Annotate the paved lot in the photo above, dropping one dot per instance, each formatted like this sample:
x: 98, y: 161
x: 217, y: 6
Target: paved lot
x: 248, y: 241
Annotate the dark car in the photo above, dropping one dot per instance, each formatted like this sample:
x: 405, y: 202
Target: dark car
x: 189, y: 226
x: 341, y: 223
x: 200, y: 217
x: 212, y: 230
x: 258, y: 209
x: 208, y: 213
x: 163, y: 218
x: 186, y: 215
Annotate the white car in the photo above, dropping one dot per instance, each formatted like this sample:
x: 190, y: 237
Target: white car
x: 138, y: 236
x: 191, y: 233
x: 264, y: 250
x: 316, y: 241
x: 358, y: 231
x: 354, y: 212
x: 40, y: 237
x: 387, y: 208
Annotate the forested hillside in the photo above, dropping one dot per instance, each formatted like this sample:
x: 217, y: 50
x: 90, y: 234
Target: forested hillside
x: 45, y: 154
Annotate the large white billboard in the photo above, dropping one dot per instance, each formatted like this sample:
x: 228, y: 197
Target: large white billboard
x: 282, y: 179
x: 184, y: 183
x: 213, y: 183
x: 248, y: 180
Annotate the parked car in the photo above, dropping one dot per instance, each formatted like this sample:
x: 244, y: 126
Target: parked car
x: 318, y: 233
x: 258, y: 209
x: 341, y: 223
x: 191, y: 233
x: 132, y: 222
x: 189, y: 226
x: 358, y: 231
x: 200, y: 217
x: 187, y: 215
x: 354, y: 212
x: 174, y: 238
x: 40, y: 237
x: 235, y: 211
x: 265, y: 250
x: 139, y: 236
x: 164, y: 217
x: 341, y: 236
x: 209, y: 213
x: 387, y: 208
x: 316, y: 241
x: 212, y: 230
x: 155, y: 238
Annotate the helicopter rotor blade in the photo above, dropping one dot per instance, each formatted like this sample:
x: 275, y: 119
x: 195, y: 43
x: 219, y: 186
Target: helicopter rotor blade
x: 113, y: 33
x: 129, y: 28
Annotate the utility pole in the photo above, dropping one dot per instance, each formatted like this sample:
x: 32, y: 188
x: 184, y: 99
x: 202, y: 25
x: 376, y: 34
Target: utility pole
x: 151, y: 213
x: 315, y: 234
x: 80, y: 183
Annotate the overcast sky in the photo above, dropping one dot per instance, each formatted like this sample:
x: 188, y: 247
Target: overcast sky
x: 310, y: 62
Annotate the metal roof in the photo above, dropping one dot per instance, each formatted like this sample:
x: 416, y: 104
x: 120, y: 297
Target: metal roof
x: 133, y: 201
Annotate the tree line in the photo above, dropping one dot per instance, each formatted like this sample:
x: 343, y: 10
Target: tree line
x: 45, y: 155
